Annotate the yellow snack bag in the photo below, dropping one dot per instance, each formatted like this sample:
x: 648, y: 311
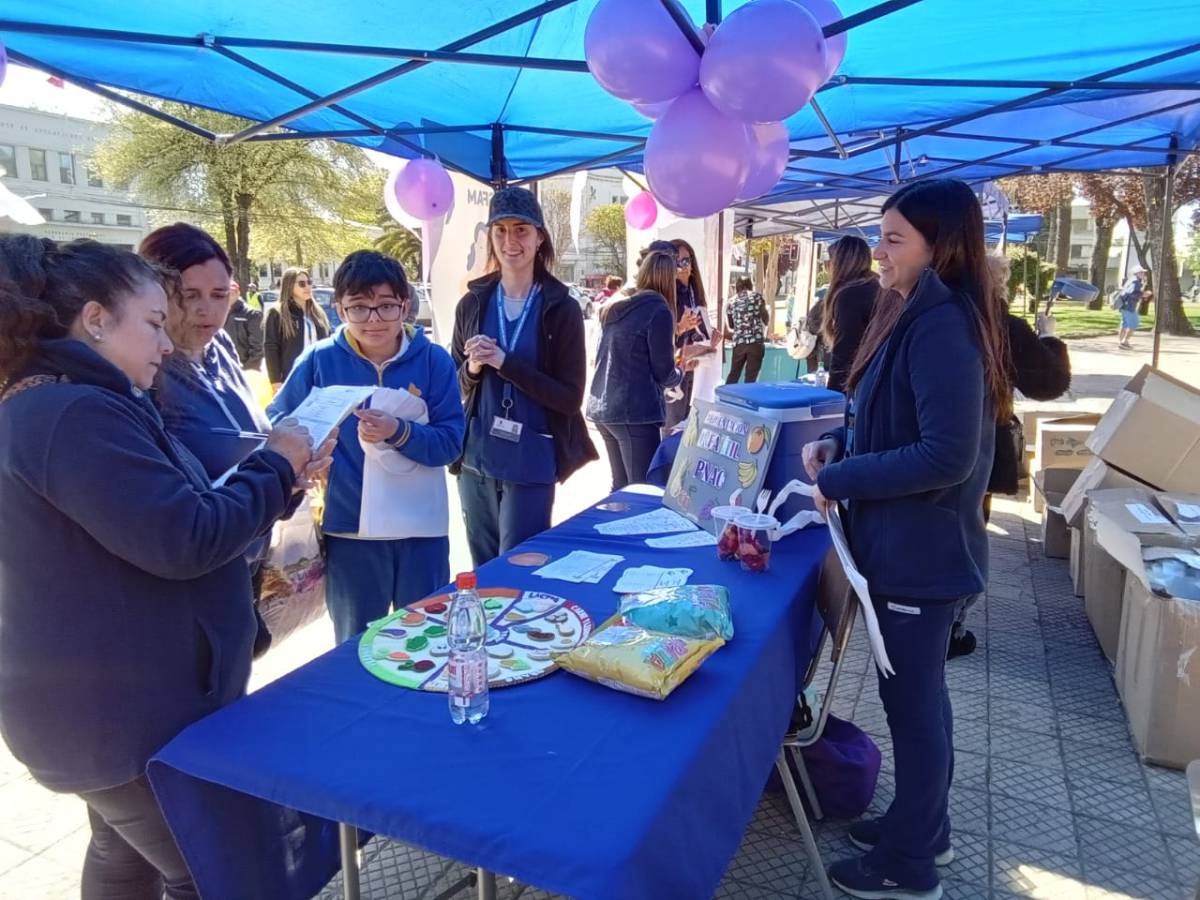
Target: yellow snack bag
x: 638, y: 661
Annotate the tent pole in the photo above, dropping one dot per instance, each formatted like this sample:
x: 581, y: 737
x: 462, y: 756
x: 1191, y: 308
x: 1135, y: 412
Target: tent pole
x: 1004, y: 234
x: 499, y: 164
x: 1161, y: 262
x: 680, y: 18
x: 713, y: 12
x: 878, y: 11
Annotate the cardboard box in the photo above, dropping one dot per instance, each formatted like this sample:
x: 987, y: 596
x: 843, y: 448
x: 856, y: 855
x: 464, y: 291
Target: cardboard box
x: 1031, y: 417
x: 1053, y: 485
x: 1077, y: 561
x: 1152, y: 431
x: 1158, y: 666
x: 1096, y: 475
x: 1184, y: 510
x: 1062, y: 444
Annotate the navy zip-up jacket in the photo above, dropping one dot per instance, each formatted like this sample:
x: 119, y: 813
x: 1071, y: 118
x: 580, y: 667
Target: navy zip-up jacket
x: 921, y: 452
x: 636, y: 362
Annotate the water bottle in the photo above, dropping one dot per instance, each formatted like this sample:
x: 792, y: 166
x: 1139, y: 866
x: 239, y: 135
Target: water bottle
x: 467, y: 669
x: 822, y: 377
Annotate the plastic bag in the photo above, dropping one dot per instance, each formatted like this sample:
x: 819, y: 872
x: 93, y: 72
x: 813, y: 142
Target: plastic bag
x: 293, y: 576
x: 692, y: 610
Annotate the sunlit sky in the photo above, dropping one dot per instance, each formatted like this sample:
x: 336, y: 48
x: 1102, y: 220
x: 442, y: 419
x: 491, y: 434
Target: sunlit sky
x: 31, y: 88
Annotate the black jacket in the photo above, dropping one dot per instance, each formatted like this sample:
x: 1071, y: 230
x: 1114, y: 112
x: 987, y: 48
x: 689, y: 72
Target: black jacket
x: 635, y: 363
x: 244, y: 325
x: 851, y: 307
x: 1040, y: 368
x: 281, y: 352
x: 556, y: 381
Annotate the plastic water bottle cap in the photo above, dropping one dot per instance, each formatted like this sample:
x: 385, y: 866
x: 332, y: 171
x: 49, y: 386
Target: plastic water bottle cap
x: 465, y: 581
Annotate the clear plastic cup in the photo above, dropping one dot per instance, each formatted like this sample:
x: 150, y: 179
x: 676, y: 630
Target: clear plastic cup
x: 725, y: 518
x: 754, y: 541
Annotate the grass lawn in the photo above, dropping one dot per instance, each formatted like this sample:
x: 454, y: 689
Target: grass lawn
x: 1074, y: 320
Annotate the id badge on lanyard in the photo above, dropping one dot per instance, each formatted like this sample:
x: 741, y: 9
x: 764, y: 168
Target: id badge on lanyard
x: 504, y: 426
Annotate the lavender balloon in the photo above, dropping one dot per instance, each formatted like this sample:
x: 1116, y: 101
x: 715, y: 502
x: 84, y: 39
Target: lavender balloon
x: 764, y: 62
x: 636, y: 51
x: 652, y: 111
x: 3, y: 62
x: 697, y: 158
x: 641, y: 211
x: 768, y: 159
x: 826, y: 12
x: 424, y: 189
x: 392, y: 202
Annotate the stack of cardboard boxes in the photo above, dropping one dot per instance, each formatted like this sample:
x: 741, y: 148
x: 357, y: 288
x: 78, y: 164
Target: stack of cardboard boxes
x: 1126, y: 508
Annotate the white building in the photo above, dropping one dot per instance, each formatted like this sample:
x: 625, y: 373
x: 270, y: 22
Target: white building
x: 46, y: 159
x: 589, y: 262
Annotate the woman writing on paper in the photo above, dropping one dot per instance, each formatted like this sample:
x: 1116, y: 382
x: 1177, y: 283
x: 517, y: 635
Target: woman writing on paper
x: 112, y: 535
x: 386, y: 518
x: 911, y: 467
x: 296, y: 323
x: 522, y: 364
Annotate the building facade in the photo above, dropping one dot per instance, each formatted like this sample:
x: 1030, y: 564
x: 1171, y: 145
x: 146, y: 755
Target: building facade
x: 47, y: 160
x: 589, y: 262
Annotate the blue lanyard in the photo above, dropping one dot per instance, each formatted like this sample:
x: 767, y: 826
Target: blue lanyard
x: 502, y: 316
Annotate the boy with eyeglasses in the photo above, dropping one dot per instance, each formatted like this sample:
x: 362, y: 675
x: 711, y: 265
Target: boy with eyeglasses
x: 386, y: 518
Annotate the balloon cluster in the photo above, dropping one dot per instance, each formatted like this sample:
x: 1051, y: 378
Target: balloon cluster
x: 418, y: 194
x: 718, y: 134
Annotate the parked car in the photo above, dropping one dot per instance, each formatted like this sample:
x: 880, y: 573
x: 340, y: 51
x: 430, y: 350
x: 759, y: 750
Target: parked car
x: 324, y: 297
x: 586, y: 306
x: 420, y: 307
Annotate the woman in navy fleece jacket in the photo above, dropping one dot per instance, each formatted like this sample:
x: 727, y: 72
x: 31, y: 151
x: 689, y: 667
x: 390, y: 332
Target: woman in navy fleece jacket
x: 125, y: 608
x: 911, y: 467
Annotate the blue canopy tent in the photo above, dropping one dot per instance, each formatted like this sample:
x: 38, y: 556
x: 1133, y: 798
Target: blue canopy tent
x: 1019, y: 229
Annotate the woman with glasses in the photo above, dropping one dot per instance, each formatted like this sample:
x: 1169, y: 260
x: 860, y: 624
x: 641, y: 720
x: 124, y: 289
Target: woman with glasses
x: 386, y: 517
x: 297, y: 322
x: 691, y: 327
x: 522, y: 364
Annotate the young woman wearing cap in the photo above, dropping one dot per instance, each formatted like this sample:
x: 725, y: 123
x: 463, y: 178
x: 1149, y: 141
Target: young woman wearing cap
x: 521, y: 356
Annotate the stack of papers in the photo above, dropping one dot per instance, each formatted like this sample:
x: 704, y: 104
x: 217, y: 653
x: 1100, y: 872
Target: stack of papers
x: 658, y: 521
x: 687, y: 539
x: 580, y: 567
x: 649, y: 578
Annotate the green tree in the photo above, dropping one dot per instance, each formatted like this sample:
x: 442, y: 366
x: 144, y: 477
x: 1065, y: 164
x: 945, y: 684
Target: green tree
x: 607, y: 225
x: 400, y: 243
x: 294, y: 200
x: 1192, y: 257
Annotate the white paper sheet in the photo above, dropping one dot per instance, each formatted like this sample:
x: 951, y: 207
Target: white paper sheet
x: 859, y: 583
x: 687, y: 539
x: 580, y: 567
x: 648, y: 578
x: 648, y: 490
x: 658, y: 521
x: 324, y: 408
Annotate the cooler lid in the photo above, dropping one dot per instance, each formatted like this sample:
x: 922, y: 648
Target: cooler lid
x: 781, y: 395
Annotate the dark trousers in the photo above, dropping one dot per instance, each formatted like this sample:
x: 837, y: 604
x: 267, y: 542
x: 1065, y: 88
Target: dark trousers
x: 501, y: 514
x: 964, y: 605
x: 749, y: 356
x: 132, y: 855
x: 365, y: 580
x: 916, y: 826
x: 630, y: 451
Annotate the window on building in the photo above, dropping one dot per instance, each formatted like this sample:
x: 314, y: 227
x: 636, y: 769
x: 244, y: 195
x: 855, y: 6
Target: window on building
x: 71, y: 215
x: 125, y: 221
x: 37, y: 165
x: 1077, y: 250
x: 1081, y: 226
x: 93, y: 177
x: 97, y: 218
x: 47, y: 214
x: 66, y: 168
x: 8, y: 160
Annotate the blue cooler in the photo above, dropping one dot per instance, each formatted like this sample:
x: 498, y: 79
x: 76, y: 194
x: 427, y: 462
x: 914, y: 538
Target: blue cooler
x: 805, y: 412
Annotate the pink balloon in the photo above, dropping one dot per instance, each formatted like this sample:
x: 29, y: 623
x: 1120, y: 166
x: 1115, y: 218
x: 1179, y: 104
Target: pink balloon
x: 652, y: 111
x: 3, y: 62
x: 697, y: 158
x: 641, y: 211
x: 768, y: 159
x: 826, y: 13
x: 636, y: 51
x: 392, y: 202
x: 764, y: 62
x: 424, y: 189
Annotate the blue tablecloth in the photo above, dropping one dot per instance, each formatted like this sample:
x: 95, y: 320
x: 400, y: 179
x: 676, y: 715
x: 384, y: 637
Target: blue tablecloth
x: 567, y: 785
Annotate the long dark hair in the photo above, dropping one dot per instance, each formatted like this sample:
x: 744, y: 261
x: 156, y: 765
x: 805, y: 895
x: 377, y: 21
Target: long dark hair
x: 947, y: 215
x: 849, y: 263
x: 44, y: 287
x: 694, y: 280
x: 289, y: 304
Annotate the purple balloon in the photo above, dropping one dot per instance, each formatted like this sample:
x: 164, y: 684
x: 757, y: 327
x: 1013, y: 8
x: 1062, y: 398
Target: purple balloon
x: 652, y: 111
x: 697, y: 158
x: 637, y: 52
x: 826, y: 13
x: 768, y: 159
x: 392, y: 202
x: 764, y: 62
x: 3, y: 64
x: 424, y: 189
x: 641, y: 211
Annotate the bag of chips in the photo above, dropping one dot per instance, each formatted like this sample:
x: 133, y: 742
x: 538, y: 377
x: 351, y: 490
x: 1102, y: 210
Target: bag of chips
x: 638, y: 661
x: 691, y: 610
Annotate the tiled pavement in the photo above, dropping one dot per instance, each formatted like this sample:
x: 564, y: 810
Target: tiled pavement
x: 1050, y: 800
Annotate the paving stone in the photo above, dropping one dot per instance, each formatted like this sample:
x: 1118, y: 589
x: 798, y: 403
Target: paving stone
x: 40, y: 878
x: 34, y: 818
x: 769, y: 862
x: 965, y: 890
x: 1088, y: 761
x: 1001, y: 662
x: 773, y: 815
x: 1011, y: 643
x: 1005, y: 686
x: 11, y: 856
x: 1032, y: 872
x: 1118, y: 845
x: 1033, y: 747
x: 969, y: 811
x: 1080, y: 654
x: 972, y: 859
x: 732, y: 889
x: 970, y: 770
x: 1025, y: 716
x: 1033, y: 825
x: 968, y: 705
x: 1161, y: 779
x: 1092, y: 731
x: 1105, y: 883
x: 1185, y: 855
x: 970, y: 734
x: 1116, y: 801
x: 1174, y: 810
x: 963, y: 680
x: 1028, y: 782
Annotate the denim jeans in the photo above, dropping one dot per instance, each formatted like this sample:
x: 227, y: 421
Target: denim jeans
x: 501, y: 514
x: 630, y: 451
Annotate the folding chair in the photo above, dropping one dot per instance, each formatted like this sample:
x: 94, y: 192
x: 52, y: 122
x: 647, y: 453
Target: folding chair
x: 837, y: 605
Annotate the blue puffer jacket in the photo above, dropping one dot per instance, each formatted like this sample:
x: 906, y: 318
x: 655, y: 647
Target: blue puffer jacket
x: 125, y: 605
x: 923, y: 437
x: 635, y: 363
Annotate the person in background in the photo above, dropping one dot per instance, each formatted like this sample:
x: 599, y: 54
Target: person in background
x: 522, y: 364
x: 848, y: 305
x: 635, y: 365
x: 253, y: 300
x: 691, y: 326
x: 295, y: 323
x: 244, y: 325
x: 406, y: 557
x: 1039, y: 366
x: 612, y: 285
x: 113, y: 531
x: 910, y: 469
x: 1126, y: 302
x: 747, y: 318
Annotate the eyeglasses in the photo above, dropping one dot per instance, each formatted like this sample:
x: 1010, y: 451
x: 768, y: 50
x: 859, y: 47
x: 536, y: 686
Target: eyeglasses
x: 387, y: 312
x: 303, y: 283
x: 683, y: 263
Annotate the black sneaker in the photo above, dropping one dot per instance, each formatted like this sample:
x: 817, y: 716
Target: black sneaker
x: 858, y: 879
x: 865, y: 835
x: 961, y: 645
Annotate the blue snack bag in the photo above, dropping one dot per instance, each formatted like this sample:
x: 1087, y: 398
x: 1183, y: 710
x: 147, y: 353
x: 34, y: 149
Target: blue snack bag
x: 691, y: 610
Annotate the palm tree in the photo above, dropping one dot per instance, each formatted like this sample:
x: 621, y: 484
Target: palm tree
x: 400, y: 243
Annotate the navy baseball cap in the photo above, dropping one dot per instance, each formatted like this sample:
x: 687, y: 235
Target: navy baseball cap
x: 515, y: 203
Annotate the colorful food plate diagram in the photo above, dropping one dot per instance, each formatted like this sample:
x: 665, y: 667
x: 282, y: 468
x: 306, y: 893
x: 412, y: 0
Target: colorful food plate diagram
x: 526, y: 630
